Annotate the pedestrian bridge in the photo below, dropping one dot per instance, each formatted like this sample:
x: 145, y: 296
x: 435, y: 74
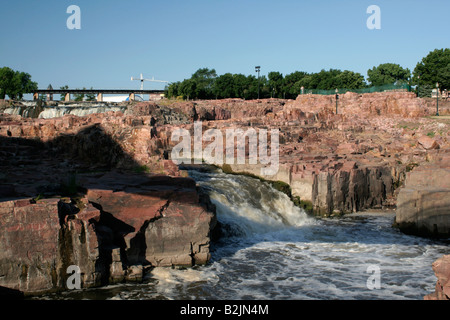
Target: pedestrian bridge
x: 154, y: 94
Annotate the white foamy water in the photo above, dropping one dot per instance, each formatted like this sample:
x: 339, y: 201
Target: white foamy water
x: 55, y: 112
x: 273, y: 250
x: 59, y: 111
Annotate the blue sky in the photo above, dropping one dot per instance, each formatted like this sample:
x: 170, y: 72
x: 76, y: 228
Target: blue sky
x: 171, y: 39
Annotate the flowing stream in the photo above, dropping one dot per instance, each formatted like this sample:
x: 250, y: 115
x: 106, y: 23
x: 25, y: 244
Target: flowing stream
x: 29, y: 110
x: 273, y: 250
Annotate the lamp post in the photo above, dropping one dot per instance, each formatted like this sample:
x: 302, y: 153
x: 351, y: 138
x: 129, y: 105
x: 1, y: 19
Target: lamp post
x: 337, y: 98
x: 437, y: 99
x: 257, y: 69
x: 418, y: 86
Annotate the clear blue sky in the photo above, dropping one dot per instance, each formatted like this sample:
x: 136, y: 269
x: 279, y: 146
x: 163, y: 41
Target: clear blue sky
x: 171, y: 39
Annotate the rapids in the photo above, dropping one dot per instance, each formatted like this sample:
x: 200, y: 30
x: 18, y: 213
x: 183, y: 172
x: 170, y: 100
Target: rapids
x: 272, y: 250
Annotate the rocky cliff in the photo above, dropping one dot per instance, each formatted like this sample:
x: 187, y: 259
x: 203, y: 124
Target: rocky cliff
x: 101, y: 192
x: 354, y: 160
x: 74, y: 193
x: 441, y: 269
x: 423, y: 205
x: 124, y: 224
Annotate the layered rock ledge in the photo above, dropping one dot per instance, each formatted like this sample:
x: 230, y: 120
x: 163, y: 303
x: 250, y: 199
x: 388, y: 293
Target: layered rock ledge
x: 75, y: 192
x: 441, y: 269
x: 123, y: 224
x: 101, y: 191
x: 423, y: 205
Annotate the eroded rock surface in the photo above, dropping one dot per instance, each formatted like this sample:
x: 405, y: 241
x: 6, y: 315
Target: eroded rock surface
x: 441, y: 268
x: 101, y: 191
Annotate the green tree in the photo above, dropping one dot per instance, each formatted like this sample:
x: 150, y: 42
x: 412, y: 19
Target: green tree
x: 292, y: 85
x: 187, y: 89
x: 326, y: 79
x: 6, y: 76
x: 15, y: 83
x: 265, y: 90
x: 251, y: 88
x: 91, y: 96
x: 388, y: 73
x: 79, y: 96
x: 350, y: 80
x: 435, y: 67
x: 306, y: 82
x: 204, y: 83
x: 240, y: 86
x: 224, y: 86
x: 171, y: 91
x: 276, y: 84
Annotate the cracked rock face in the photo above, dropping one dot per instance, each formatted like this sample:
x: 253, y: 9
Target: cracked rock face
x: 441, y: 268
x: 121, y: 222
x: 110, y: 234
x: 160, y: 219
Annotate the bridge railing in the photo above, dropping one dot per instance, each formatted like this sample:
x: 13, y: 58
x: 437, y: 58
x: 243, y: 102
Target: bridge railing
x: 99, y: 92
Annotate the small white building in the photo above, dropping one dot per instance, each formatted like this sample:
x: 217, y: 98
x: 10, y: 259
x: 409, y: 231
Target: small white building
x: 116, y: 99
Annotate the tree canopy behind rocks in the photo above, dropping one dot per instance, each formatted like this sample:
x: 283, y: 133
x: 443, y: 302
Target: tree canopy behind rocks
x: 205, y: 84
x: 433, y: 68
x: 15, y: 84
x: 388, y: 73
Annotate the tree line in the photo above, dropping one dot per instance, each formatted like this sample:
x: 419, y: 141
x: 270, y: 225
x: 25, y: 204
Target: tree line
x: 206, y: 84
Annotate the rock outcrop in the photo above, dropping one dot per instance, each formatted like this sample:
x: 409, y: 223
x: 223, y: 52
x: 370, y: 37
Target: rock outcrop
x: 94, y: 192
x: 101, y: 191
x: 441, y: 268
x: 29, y: 244
x: 124, y: 223
x: 423, y: 205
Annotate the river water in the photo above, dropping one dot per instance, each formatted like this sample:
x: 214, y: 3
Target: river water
x: 272, y: 250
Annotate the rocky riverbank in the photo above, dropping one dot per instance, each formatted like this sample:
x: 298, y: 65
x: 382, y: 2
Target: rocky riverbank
x: 441, y: 268
x: 101, y: 192
x: 93, y: 192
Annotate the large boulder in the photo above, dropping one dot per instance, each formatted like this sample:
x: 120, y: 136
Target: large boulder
x: 423, y: 204
x: 350, y: 188
x: 126, y: 222
x: 157, y: 221
x: 441, y: 268
x: 29, y: 244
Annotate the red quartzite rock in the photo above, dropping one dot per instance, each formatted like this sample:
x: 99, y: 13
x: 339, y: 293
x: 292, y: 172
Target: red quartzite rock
x: 124, y: 223
x: 428, y: 143
x: 160, y: 219
x: 441, y: 268
x: 424, y: 201
x: 29, y: 244
x: 379, y: 150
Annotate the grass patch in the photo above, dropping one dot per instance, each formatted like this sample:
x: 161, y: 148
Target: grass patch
x: 141, y: 169
x: 411, y: 166
x: 408, y: 125
x: 304, y: 204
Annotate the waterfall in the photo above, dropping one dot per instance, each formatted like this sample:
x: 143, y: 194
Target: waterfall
x: 27, y: 111
x: 247, y: 205
x: 272, y: 250
x: 31, y: 110
x: 53, y: 112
